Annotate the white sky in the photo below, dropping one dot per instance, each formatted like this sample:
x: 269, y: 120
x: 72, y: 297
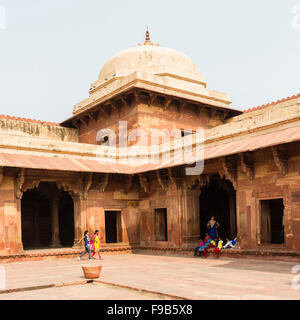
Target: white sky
x: 51, y: 50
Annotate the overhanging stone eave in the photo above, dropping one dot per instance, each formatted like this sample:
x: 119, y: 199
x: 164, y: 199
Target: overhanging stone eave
x: 158, y: 88
x: 84, y: 152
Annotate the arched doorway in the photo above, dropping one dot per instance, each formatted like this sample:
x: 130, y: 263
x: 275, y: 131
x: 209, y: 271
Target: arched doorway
x: 218, y: 199
x: 38, y: 207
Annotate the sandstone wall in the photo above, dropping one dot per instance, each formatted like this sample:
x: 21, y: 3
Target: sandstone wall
x: 37, y: 130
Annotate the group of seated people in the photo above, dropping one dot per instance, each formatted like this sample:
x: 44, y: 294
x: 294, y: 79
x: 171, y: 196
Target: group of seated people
x: 215, y: 244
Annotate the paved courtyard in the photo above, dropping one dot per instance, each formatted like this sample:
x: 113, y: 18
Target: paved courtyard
x: 164, y: 276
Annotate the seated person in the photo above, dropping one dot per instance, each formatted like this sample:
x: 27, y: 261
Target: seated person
x: 203, y: 248
x: 231, y: 243
x: 218, y: 248
x: 200, y: 244
x: 212, y: 244
x: 206, y: 237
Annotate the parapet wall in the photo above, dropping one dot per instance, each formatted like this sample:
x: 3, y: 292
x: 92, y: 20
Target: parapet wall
x: 37, y: 130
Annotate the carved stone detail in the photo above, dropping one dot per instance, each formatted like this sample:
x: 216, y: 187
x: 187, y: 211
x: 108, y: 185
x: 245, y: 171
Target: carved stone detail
x: 247, y: 165
x: 144, y: 183
x: 197, y: 182
x: 174, y: 178
x: 128, y: 183
x: 87, y: 182
x: 167, y: 102
x: 280, y: 160
x: 181, y: 106
x: 162, y: 182
x: 30, y: 184
x: 229, y: 170
x: 152, y: 98
x: 136, y: 97
x: 104, y: 182
x: 19, y: 183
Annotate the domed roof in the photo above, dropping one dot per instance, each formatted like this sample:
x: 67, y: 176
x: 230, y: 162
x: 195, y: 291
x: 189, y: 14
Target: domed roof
x: 149, y: 58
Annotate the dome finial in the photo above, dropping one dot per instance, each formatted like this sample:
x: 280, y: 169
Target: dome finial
x: 147, y: 41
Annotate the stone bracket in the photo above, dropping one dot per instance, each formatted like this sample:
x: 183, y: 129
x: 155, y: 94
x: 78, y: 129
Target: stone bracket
x: 247, y: 165
x: 229, y: 170
x: 104, y: 182
x: 181, y: 106
x: 176, y: 180
x: 162, y: 182
x: 87, y: 182
x: 144, y: 183
x: 152, y: 98
x: 197, y: 182
x: 128, y: 183
x: 280, y: 159
x: 167, y: 102
x: 136, y: 97
x: 20, y: 182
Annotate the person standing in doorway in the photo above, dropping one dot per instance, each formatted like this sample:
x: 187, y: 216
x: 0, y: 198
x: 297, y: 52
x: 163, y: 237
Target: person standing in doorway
x: 212, y: 225
x: 87, y: 248
x: 96, y: 241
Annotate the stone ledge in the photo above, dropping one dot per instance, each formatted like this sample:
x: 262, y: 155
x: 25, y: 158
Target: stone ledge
x: 43, y: 254
x: 265, y: 254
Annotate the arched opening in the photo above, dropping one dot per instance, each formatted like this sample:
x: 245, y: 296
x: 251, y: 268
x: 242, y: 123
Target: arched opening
x: 218, y: 199
x: 40, y: 228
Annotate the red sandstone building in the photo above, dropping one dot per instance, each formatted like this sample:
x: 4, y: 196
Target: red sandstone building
x: 54, y: 185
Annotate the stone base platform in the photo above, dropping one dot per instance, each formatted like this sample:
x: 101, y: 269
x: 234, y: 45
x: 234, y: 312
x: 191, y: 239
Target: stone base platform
x: 262, y: 253
x: 56, y: 253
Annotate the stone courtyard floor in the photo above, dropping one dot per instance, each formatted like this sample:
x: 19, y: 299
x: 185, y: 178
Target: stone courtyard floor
x: 142, y: 277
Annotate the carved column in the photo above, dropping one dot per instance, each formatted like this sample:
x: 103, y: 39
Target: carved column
x: 55, y: 242
x: 190, y: 216
x: 80, y: 220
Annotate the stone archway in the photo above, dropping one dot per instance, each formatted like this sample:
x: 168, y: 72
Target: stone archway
x: 218, y: 199
x: 47, y: 217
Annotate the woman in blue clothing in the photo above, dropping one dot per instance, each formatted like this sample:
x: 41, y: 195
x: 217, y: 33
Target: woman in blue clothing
x: 87, y: 248
x: 212, y: 225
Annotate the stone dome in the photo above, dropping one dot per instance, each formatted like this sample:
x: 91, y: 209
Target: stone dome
x: 149, y: 58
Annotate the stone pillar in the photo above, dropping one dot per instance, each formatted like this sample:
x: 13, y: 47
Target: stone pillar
x: 80, y: 221
x: 55, y: 242
x: 190, y: 217
x: 10, y: 218
x: 19, y: 227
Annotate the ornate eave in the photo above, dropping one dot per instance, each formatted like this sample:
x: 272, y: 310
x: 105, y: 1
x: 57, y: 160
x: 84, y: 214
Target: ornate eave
x: 191, y: 91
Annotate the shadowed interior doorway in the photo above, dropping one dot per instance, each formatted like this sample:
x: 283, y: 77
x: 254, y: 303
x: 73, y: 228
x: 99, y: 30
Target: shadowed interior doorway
x: 218, y: 199
x: 37, y: 209
x: 272, y: 225
x: 113, y: 226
